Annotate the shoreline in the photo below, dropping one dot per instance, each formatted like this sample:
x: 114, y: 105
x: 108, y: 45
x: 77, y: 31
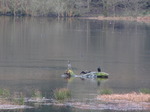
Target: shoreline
x: 145, y: 19
x: 133, y: 97
x: 118, y: 102
x: 121, y: 102
x: 8, y: 105
x: 13, y: 107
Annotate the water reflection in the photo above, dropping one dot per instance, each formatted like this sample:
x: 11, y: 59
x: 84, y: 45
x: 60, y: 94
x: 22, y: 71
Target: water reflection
x: 34, y: 53
x: 83, y: 89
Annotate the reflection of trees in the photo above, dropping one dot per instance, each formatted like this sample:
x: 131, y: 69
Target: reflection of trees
x: 147, y: 39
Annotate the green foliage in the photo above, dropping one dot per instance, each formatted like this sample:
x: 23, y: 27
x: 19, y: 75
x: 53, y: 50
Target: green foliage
x: 62, y: 94
x: 145, y: 91
x: 6, y: 97
x: 4, y: 93
x: 18, y: 98
x: 37, y: 94
x: 106, y: 91
x: 1, y: 92
x: 21, y: 100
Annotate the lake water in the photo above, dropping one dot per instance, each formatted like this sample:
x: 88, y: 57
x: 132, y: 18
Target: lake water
x: 34, y: 53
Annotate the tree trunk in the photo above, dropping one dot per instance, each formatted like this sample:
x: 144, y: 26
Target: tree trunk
x: 105, y: 8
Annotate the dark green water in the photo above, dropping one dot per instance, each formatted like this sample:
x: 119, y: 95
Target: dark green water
x: 34, y: 53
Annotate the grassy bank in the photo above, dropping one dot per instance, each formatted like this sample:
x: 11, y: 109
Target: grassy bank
x: 142, y: 96
x: 139, y: 19
x: 8, y: 98
x: 134, y: 100
x: 62, y: 94
x: 134, y: 97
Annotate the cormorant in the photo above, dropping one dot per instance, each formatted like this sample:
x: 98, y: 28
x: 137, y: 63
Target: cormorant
x: 99, y: 69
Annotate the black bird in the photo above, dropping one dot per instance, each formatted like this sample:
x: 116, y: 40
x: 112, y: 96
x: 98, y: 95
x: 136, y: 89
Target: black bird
x: 99, y: 69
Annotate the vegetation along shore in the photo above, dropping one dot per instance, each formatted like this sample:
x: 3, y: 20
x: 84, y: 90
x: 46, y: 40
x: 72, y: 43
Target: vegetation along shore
x: 62, y: 97
x: 142, y: 96
x: 134, y: 97
x: 74, y: 8
x: 138, y: 19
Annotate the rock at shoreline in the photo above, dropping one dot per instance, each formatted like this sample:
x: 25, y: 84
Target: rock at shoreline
x: 10, y: 107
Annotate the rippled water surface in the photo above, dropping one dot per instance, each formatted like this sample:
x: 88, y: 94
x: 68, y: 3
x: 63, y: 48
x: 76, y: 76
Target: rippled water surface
x: 34, y: 53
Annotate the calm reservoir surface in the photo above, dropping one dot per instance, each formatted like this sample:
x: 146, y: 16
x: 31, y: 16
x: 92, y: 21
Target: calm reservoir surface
x: 34, y: 53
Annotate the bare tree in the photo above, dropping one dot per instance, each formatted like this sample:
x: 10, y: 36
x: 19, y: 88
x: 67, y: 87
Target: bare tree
x: 59, y: 7
x: 13, y: 4
x: 72, y: 7
x: 4, y: 6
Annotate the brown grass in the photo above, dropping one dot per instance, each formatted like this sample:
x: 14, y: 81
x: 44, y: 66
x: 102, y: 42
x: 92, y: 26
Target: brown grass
x: 135, y: 97
x: 139, y: 19
x: 5, y: 101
